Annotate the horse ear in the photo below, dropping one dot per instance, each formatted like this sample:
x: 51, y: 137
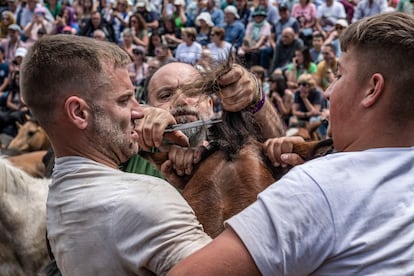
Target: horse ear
x: 27, y: 117
x: 18, y: 125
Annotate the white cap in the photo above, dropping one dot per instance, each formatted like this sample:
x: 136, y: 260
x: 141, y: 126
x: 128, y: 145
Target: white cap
x: 20, y: 52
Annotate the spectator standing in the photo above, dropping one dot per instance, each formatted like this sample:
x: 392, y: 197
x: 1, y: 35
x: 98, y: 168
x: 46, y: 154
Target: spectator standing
x: 234, y: 29
x: 189, y: 50
x: 39, y: 22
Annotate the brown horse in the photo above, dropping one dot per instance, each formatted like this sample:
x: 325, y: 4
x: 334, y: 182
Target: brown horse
x: 30, y: 137
x: 234, y: 170
x: 23, y: 248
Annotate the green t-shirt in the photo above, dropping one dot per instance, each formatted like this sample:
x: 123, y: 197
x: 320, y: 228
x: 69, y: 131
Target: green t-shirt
x: 140, y: 165
x: 300, y: 71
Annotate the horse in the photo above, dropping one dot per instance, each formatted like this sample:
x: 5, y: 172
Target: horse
x: 30, y: 137
x: 23, y: 249
x: 233, y: 170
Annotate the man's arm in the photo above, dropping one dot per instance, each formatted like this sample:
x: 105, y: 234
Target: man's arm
x: 225, y: 255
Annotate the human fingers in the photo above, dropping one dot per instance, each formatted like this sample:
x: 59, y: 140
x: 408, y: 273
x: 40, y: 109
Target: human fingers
x: 169, y: 174
x: 292, y: 159
x: 274, y: 149
x: 182, y: 159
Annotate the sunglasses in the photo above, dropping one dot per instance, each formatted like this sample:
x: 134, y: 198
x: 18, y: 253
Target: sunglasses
x: 304, y: 84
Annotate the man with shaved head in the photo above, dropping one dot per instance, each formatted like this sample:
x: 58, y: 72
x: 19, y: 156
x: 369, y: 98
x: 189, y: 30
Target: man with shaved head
x: 285, y: 49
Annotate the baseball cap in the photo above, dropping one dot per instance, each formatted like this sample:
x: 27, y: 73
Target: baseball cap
x: 14, y: 27
x: 20, y: 52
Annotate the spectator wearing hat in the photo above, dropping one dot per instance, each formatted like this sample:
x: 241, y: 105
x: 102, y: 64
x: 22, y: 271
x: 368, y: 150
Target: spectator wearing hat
x: 138, y: 68
x: 29, y: 10
x: 256, y: 40
x: 189, y: 50
x: 340, y: 26
x: 139, y: 30
x: 244, y: 12
x: 234, y: 30
x: 12, y: 42
x: 217, y: 15
x: 285, y: 21
x: 327, y: 14
x: 204, y: 26
x: 7, y: 18
x: 150, y: 15
x: 176, y: 9
x: 38, y: 22
x: 272, y: 14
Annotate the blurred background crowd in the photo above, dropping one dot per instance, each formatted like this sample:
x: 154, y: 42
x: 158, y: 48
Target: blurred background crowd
x: 291, y: 46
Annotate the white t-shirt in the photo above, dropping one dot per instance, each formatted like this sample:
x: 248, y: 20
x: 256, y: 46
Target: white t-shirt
x: 219, y: 54
x: 343, y: 214
x: 188, y: 54
x: 103, y: 221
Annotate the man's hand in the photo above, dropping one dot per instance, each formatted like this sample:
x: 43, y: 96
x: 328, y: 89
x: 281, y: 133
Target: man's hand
x: 239, y: 89
x: 151, y: 128
x: 279, y: 151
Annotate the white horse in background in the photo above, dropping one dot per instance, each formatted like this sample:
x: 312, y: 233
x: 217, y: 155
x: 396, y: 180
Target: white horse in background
x: 23, y: 249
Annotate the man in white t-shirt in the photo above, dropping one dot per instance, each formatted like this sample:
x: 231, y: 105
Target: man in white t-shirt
x: 349, y: 213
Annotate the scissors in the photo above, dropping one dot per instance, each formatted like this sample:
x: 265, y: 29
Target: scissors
x: 194, y: 124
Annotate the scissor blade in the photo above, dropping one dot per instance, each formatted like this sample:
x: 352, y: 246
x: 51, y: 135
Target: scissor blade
x: 192, y: 124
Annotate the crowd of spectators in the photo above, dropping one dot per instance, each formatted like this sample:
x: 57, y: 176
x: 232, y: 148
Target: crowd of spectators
x: 293, y: 43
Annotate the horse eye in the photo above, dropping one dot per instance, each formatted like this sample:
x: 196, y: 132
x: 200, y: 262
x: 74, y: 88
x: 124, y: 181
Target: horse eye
x: 31, y: 133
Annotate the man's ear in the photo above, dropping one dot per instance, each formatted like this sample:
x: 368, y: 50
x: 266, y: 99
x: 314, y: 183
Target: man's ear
x: 374, y: 90
x: 77, y: 111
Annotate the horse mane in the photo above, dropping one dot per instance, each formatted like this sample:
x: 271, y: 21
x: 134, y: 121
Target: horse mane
x: 16, y: 181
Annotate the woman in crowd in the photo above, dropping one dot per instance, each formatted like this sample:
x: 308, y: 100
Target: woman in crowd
x: 189, y: 50
x: 307, y: 102
x: 302, y: 64
x: 67, y: 19
x: 139, y: 30
x: 7, y: 18
x: 219, y: 48
x: 281, y: 97
x: 155, y: 41
x: 138, y: 68
x: 204, y: 27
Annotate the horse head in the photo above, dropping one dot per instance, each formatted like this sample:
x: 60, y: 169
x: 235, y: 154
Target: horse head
x: 30, y: 137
